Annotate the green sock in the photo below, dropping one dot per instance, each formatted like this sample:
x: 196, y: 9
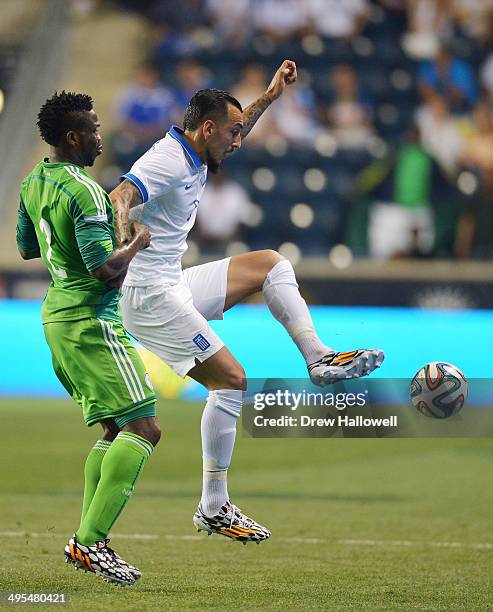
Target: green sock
x: 92, y: 472
x: 121, y: 466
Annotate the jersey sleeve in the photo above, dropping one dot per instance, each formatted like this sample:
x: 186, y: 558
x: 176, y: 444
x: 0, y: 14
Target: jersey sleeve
x: 155, y: 173
x: 26, y: 238
x: 93, y: 231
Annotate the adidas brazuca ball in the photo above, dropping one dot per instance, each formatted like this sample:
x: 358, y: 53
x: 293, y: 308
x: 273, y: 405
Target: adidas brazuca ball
x: 438, y: 390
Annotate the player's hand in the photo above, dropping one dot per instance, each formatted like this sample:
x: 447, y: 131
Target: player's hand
x: 286, y: 75
x: 142, y: 234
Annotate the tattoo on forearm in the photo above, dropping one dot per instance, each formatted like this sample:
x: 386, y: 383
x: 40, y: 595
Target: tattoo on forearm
x: 120, y: 220
x: 252, y: 113
x: 123, y: 198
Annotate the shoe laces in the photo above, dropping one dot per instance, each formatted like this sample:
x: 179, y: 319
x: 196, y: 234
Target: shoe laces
x: 106, y: 550
x: 236, y: 512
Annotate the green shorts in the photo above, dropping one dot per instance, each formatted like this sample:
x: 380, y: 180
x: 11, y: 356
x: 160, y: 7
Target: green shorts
x: 99, y: 366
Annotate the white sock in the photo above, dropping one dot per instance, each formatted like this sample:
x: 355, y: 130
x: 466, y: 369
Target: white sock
x: 218, y: 428
x: 283, y: 298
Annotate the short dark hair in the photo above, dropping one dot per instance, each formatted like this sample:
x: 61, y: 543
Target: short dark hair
x: 206, y: 104
x: 62, y: 113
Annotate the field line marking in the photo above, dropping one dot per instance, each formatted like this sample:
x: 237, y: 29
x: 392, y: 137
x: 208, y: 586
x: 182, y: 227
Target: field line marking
x: 403, y: 543
x: 292, y: 540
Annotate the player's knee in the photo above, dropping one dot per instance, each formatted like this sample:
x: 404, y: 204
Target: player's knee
x: 271, y: 258
x: 147, y: 428
x: 155, y: 434
x: 265, y: 261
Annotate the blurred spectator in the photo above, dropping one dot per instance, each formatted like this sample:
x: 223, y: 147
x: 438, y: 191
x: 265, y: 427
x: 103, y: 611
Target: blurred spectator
x: 279, y: 20
x: 232, y: 21
x: 145, y: 110
x: 428, y: 22
x: 191, y: 76
x: 223, y: 208
x: 294, y: 116
x: 348, y: 113
x: 403, y: 186
x: 251, y: 86
x: 440, y: 133
x: 450, y: 77
x: 475, y: 228
x: 478, y: 149
x: 474, y: 17
x: 486, y: 76
x: 145, y: 107
x: 336, y: 19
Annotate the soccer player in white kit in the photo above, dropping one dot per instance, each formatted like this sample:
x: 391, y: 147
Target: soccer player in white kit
x: 167, y: 309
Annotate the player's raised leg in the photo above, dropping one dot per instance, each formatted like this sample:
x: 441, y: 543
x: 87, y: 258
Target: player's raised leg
x: 269, y: 272
x: 225, y: 379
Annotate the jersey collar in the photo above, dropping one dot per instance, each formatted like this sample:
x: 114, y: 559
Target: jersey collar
x: 192, y: 157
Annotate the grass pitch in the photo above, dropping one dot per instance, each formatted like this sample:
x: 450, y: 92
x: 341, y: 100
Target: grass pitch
x: 357, y: 524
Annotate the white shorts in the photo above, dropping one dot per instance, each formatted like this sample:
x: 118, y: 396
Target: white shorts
x: 172, y: 320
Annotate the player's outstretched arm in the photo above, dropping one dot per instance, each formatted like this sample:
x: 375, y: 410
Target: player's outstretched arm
x: 285, y: 75
x: 123, y: 198
x: 113, y: 271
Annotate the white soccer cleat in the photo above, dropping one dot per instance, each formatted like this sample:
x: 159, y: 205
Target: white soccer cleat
x: 231, y: 523
x: 334, y: 367
x: 136, y: 573
x: 98, y: 560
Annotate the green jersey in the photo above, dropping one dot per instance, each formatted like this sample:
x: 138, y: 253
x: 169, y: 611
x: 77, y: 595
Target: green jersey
x: 67, y: 218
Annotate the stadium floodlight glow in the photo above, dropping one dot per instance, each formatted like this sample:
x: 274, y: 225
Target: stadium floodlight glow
x: 276, y: 145
x: 467, y: 183
x: 264, y: 179
x: 325, y: 144
x: 290, y: 251
x: 315, y: 179
x: 253, y: 215
x: 302, y: 215
x: 341, y: 256
x: 312, y: 44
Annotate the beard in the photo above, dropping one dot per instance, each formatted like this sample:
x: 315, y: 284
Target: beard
x: 90, y: 158
x: 212, y: 165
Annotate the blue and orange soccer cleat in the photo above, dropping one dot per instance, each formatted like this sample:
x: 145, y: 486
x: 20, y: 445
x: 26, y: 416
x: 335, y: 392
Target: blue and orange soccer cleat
x: 231, y: 523
x: 334, y: 367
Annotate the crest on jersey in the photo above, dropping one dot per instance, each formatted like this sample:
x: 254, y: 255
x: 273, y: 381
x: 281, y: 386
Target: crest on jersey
x: 201, y: 342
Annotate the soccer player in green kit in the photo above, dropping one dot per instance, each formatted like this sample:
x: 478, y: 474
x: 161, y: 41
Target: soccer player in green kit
x: 66, y: 218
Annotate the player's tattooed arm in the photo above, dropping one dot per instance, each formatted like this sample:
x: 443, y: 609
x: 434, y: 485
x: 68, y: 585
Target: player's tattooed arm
x: 285, y: 75
x: 252, y: 113
x: 123, y: 198
x: 112, y: 272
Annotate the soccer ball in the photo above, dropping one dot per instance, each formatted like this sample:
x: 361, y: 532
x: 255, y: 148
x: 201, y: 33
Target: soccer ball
x: 438, y: 390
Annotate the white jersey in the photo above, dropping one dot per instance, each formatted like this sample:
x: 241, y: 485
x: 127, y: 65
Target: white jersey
x: 171, y: 179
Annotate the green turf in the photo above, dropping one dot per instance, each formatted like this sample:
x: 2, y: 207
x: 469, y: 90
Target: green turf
x: 357, y: 524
